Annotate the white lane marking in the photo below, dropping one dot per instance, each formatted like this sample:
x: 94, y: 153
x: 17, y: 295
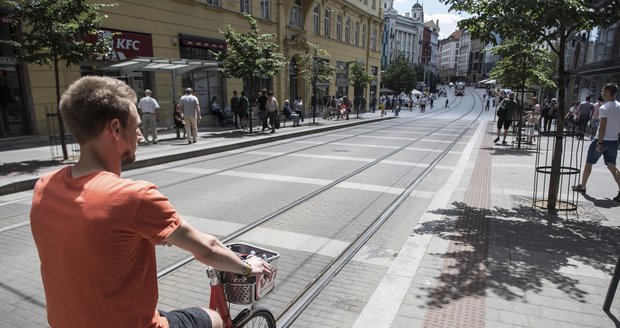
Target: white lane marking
x: 276, y: 177
x: 192, y: 170
x: 383, y: 305
x: 311, y: 181
x: 370, y: 187
x: 290, y: 240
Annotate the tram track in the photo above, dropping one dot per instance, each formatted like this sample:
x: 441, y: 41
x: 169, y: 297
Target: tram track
x: 297, y: 305
x: 12, y: 226
x: 291, y: 205
x: 188, y: 259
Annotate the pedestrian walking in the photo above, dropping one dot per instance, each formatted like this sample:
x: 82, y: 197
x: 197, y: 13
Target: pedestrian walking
x: 298, y: 107
x: 488, y: 104
x: 179, y: 122
x: 422, y: 104
x: 594, y: 122
x: 149, y: 106
x: 605, y: 142
x: 532, y: 118
x: 217, y: 111
x: 262, y: 108
x: 373, y: 102
x: 96, y: 232
x: 244, y: 110
x: 549, y: 114
x: 191, y: 113
x: 585, y: 113
x: 234, y: 107
x: 504, y: 116
x: 273, y: 111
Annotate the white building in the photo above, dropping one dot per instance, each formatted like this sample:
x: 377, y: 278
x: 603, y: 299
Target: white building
x: 462, y: 66
x: 402, y: 34
x: 448, y: 53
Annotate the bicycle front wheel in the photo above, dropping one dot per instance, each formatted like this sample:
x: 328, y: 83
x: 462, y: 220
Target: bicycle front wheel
x: 261, y: 318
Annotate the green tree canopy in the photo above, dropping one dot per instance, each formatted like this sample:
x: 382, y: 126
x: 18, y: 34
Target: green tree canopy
x: 523, y: 65
x: 51, y: 31
x: 249, y: 55
x: 314, y: 66
x: 401, y: 75
x: 359, y: 78
x: 56, y: 30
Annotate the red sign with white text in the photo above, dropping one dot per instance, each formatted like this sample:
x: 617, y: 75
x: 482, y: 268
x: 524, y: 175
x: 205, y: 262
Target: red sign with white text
x: 127, y: 44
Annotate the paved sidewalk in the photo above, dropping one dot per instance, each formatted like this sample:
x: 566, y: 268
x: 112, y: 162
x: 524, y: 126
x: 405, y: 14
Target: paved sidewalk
x: 24, y: 160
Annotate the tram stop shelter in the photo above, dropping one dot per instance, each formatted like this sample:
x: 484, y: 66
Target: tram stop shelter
x: 158, y: 64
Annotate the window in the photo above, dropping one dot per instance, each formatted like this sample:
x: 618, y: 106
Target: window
x: 327, y: 21
x: 295, y: 16
x: 373, y: 39
x: 339, y: 27
x: 317, y: 19
x: 347, y: 30
x: 246, y: 6
x: 374, y: 4
x: 265, y: 9
x: 211, y: 2
x: 364, y: 36
x: 357, y: 33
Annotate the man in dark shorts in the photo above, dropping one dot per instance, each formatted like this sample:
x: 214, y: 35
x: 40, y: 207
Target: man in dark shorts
x: 96, y: 232
x: 504, y: 116
x: 605, y: 143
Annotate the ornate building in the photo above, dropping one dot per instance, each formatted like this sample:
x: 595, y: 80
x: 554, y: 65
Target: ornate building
x: 402, y: 34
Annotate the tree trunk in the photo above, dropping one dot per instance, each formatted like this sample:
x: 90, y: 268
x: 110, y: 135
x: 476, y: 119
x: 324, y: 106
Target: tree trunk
x: 61, y: 126
x: 556, y: 162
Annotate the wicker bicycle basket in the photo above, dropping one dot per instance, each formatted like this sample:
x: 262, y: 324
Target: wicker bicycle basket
x: 246, y: 290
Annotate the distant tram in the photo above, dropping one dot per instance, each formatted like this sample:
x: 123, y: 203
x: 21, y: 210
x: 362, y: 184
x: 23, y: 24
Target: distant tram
x: 459, y: 89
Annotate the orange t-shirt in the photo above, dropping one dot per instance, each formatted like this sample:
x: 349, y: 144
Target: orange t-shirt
x: 96, y: 238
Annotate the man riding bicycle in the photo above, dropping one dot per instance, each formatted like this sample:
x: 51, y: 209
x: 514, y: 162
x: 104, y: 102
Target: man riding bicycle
x: 96, y: 232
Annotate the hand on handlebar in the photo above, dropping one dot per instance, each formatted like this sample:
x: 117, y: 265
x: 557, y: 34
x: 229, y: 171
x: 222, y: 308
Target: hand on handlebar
x: 259, y: 266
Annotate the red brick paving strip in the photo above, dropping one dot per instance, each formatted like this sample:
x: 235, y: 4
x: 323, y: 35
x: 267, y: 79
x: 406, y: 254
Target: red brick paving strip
x: 458, y: 300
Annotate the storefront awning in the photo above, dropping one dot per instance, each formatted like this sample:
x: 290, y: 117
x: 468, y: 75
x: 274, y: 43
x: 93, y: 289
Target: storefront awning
x: 155, y: 64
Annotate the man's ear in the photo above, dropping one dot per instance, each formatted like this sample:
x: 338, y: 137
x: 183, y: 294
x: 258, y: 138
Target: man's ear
x: 115, y: 128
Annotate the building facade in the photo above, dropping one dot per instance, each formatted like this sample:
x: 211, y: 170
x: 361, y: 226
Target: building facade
x: 449, y: 52
x: 402, y: 33
x: 169, y: 45
x: 593, y: 59
x: 462, y: 66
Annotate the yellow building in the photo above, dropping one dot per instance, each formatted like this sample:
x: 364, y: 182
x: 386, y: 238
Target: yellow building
x: 163, y: 45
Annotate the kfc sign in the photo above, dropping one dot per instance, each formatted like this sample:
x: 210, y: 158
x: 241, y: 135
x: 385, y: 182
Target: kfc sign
x: 127, y: 45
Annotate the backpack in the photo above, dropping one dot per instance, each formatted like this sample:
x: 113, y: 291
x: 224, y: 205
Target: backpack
x: 501, y: 111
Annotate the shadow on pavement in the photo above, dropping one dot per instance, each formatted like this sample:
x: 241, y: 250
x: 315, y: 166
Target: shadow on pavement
x: 27, y: 166
x: 529, y: 249
x: 500, y: 150
x: 602, y: 203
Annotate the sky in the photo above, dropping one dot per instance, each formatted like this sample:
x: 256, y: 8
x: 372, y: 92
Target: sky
x: 434, y: 10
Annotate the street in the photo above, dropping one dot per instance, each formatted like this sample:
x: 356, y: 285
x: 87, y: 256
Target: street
x: 456, y: 238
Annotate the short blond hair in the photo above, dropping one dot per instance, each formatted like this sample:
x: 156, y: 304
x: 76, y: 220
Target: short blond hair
x: 91, y: 102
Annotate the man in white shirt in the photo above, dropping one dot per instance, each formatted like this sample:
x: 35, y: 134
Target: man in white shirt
x: 191, y: 112
x: 149, y: 106
x: 606, y: 141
